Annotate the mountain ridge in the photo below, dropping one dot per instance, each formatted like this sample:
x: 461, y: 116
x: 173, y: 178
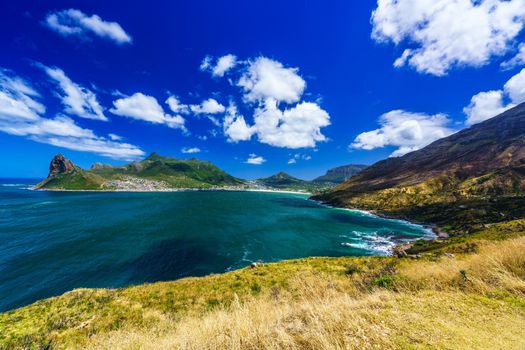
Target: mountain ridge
x: 340, y: 174
x: 480, y: 168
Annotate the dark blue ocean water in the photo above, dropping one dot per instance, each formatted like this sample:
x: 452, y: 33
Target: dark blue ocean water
x: 52, y: 242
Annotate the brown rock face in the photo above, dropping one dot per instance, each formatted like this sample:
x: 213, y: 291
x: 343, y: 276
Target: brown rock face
x: 60, y: 165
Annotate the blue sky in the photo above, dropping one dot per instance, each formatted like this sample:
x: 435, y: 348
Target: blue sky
x: 295, y: 86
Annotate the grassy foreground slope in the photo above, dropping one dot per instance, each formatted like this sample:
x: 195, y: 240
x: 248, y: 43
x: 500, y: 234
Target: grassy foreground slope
x: 466, y: 294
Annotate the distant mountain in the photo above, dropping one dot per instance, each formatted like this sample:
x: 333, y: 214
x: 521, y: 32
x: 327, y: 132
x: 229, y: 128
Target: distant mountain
x: 467, y: 172
x: 283, y: 181
x: 339, y: 174
x: 153, y: 173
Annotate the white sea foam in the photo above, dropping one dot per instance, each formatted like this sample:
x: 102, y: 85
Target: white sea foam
x: 372, y: 241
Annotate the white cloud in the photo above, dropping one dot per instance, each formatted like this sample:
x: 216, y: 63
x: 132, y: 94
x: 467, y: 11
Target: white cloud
x: 75, y: 22
x: 143, y: 107
x: 209, y: 106
x: 515, y: 87
x: 266, y: 84
x: 266, y: 78
x: 17, y: 98
x: 296, y: 127
x: 206, y: 63
x: 115, y: 137
x: 224, y: 64
x: 486, y: 105
x: 405, y: 130
x: 517, y: 60
x: 255, y: 159
x: 442, y: 34
x: 177, y: 107
x: 190, y: 150
x: 235, y: 127
x: 299, y: 156
x: 76, y: 99
x: 21, y: 115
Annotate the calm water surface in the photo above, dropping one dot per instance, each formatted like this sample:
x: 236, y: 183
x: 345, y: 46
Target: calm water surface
x: 52, y: 242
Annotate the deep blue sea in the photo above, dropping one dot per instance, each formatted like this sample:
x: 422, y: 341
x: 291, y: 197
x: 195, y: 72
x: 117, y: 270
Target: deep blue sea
x: 52, y: 242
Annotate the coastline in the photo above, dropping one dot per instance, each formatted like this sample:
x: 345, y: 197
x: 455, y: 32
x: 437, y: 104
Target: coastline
x: 436, y: 232
x: 168, y: 190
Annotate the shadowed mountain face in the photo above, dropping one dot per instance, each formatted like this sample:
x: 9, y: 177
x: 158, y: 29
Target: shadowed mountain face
x: 485, y: 162
x: 340, y: 174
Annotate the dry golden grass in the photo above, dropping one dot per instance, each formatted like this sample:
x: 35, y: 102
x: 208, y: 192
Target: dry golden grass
x: 474, y: 301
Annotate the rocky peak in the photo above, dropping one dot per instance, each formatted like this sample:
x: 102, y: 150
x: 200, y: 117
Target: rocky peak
x: 100, y: 166
x: 60, y: 165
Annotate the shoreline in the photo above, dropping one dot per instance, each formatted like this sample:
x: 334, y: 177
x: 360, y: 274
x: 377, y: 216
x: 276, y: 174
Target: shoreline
x: 437, y: 233
x: 169, y: 190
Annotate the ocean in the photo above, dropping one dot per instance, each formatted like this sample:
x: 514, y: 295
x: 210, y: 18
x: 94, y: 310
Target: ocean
x: 53, y: 242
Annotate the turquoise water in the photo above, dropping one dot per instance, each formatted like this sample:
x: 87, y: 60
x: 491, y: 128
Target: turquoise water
x: 52, y: 242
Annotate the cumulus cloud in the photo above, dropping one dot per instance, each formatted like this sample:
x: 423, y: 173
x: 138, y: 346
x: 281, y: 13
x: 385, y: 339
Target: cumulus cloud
x: 209, y: 106
x: 485, y: 105
x: 235, y: 127
x: 488, y: 104
x: 292, y: 161
x: 76, y: 99
x: 177, y: 107
x: 273, y: 92
x: 255, y: 159
x: 296, y: 127
x: 21, y: 114
x: 405, y: 130
x: 190, y: 150
x: 517, y: 60
x: 440, y: 35
x: 266, y: 78
x: 222, y: 65
x: 142, y: 107
x: 76, y: 23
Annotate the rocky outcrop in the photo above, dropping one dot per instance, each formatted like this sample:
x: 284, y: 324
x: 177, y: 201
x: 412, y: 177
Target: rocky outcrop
x: 60, y: 165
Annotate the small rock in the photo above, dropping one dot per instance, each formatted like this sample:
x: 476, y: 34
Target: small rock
x: 253, y: 265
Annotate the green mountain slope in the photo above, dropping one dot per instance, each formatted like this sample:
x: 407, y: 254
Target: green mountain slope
x: 154, y: 172
x: 282, y: 180
x: 474, y: 177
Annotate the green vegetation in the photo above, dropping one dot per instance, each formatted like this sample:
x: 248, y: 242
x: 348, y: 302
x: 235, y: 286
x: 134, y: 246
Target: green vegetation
x: 283, y: 181
x: 176, y: 172
x: 153, y: 172
x: 77, y: 179
x: 472, y: 299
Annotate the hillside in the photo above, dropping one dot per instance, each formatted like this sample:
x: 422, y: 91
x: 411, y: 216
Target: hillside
x: 153, y: 173
x: 284, y: 181
x: 466, y: 180
x: 340, y: 174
